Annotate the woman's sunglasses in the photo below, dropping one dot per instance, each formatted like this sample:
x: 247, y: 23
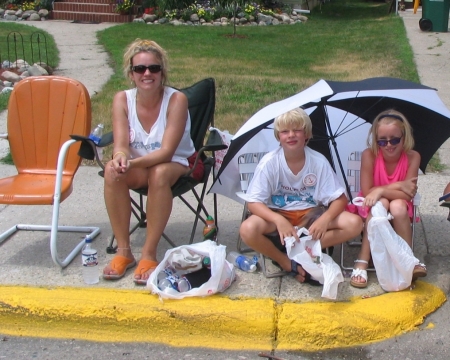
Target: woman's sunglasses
x: 141, y: 69
x: 393, y: 141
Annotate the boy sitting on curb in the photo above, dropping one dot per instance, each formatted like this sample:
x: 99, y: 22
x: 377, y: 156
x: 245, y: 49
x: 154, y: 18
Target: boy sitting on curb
x: 288, y: 183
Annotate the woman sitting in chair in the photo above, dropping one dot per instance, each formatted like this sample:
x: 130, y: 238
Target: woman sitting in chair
x: 152, y: 148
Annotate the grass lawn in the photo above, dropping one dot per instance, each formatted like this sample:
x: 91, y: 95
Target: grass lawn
x: 347, y: 40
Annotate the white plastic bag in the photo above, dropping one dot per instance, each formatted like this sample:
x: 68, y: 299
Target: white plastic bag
x: 308, y: 253
x: 392, y: 257
x: 222, y: 272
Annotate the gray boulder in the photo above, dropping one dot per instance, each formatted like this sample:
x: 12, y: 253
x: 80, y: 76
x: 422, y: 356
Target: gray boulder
x: 37, y: 70
x: 10, y: 17
x: 43, y: 13
x: 34, y: 17
x: 149, y: 18
x: 10, y: 76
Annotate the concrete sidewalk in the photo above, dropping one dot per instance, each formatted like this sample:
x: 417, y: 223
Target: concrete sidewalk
x: 255, y: 312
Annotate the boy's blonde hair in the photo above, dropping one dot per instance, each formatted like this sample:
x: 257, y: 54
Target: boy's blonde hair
x: 386, y: 118
x: 138, y: 46
x: 296, y: 118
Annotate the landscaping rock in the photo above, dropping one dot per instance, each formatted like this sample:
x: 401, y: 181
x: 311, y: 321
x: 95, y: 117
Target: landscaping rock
x: 10, y: 17
x: 149, y: 17
x: 37, y: 70
x: 10, y: 76
x: 34, y: 17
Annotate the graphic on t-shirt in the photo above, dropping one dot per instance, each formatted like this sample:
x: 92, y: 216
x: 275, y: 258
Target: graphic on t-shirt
x: 140, y: 145
x: 282, y: 200
x: 310, y: 180
x: 132, y: 135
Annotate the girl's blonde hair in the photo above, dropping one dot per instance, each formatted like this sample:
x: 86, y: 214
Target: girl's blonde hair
x: 138, y: 46
x: 296, y: 118
x: 386, y: 118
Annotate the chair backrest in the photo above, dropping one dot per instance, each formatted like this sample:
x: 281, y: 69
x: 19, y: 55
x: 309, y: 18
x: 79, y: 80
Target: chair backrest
x: 353, y: 172
x: 202, y: 102
x: 42, y: 113
x: 247, y: 164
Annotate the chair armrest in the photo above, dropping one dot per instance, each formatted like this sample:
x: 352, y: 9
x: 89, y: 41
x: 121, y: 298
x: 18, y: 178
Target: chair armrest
x: 214, y: 142
x: 88, y: 149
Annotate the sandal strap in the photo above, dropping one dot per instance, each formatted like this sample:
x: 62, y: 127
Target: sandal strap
x: 294, y: 272
x: 361, y: 261
x: 308, y: 280
x: 359, y: 272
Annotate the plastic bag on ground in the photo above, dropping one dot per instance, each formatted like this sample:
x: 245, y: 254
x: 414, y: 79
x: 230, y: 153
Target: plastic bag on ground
x: 392, y: 257
x: 222, y: 272
x: 308, y: 253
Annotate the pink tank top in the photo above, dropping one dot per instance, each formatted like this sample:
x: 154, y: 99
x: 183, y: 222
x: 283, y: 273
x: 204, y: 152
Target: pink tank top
x: 381, y: 177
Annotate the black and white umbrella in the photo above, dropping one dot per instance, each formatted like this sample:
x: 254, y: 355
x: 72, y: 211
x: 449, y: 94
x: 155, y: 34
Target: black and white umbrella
x: 341, y: 114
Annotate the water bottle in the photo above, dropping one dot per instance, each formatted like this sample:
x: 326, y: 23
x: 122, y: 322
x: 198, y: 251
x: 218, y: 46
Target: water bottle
x: 210, y: 229
x: 90, y: 262
x: 96, y: 136
x: 242, y: 262
x: 194, y: 279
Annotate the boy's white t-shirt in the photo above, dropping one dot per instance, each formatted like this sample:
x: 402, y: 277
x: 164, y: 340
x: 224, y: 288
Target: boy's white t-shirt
x: 275, y: 185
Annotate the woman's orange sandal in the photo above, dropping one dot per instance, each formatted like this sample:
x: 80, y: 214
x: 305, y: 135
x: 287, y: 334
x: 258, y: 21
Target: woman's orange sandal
x: 144, y: 266
x: 120, y: 264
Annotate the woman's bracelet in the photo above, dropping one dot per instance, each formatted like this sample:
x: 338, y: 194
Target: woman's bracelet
x: 120, y: 152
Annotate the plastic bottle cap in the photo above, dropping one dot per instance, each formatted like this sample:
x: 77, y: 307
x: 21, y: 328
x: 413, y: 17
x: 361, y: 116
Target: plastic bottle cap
x: 252, y: 267
x: 88, y: 239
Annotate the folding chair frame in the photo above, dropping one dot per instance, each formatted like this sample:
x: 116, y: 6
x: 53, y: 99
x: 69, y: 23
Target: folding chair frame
x: 54, y: 229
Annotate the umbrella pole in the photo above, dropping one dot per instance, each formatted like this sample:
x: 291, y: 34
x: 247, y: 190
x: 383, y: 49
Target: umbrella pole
x: 333, y: 141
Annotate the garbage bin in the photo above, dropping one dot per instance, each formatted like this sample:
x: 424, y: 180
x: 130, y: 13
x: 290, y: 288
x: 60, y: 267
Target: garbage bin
x: 434, y: 15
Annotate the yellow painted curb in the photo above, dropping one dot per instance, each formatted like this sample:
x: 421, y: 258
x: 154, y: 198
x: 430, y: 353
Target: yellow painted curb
x: 212, y: 322
x: 136, y: 316
x: 316, y: 326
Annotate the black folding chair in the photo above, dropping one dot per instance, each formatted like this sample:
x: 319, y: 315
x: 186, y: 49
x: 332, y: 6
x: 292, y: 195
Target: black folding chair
x: 201, y: 103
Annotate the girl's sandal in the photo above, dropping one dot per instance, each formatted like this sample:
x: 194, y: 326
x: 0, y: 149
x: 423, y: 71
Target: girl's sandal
x: 420, y: 270
x: 359, y: 272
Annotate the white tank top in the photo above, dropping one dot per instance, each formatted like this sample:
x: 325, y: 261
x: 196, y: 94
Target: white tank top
x: 142, y: 143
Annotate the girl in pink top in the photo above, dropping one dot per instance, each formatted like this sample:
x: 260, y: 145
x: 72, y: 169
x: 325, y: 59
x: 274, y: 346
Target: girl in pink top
x: 389, y: 169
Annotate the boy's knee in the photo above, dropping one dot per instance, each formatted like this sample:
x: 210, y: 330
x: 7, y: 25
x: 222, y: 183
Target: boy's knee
x: 248, y: 231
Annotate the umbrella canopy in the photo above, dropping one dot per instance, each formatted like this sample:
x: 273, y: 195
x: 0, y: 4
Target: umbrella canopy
x: 341, y: 114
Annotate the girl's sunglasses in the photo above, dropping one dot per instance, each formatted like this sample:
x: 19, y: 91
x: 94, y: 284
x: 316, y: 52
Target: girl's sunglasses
x: 141, y: 69
x: 393, y: 141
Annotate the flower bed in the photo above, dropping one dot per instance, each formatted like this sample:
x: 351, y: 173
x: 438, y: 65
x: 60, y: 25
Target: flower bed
x: 250, y: 14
